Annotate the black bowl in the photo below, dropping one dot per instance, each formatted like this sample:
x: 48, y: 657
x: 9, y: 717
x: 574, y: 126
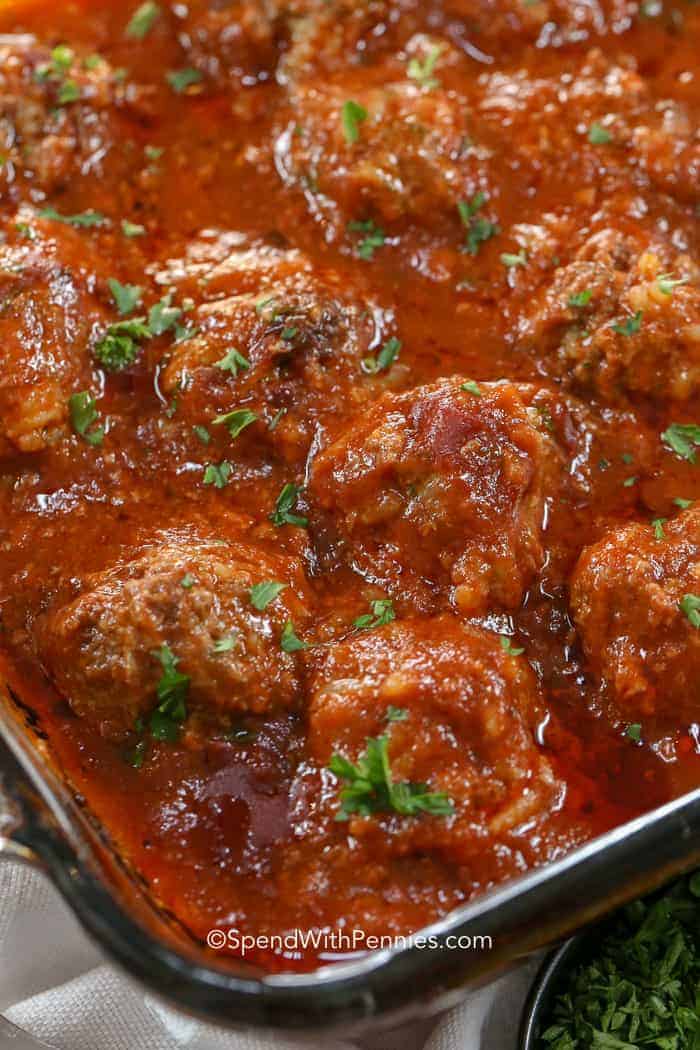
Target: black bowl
x: 548, y: 983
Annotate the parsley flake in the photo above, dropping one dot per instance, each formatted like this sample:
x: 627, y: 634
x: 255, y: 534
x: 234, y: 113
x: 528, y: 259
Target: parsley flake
x: 384, y: 359
x: 396, y: 714
x: 263, y: 593
x: 682, y: 438
x: 236, y: 421
x: 224, y: 645
x: 630, y: 326
x: 83, y: 413
x: 634, y: 732
x: 132, y: 229
x: 142, y: 20
x: 509, y: 259
x: 119, y: 347
x: 289, y: 643
x: 370, y: 788
x: 234, y: 362
x: 470, y: 387
x: 382, y: 613
x: 690, y: 605
x: 658, y: 527
x: 352, y: 116
x: 581, y: 298
x: 422, y: 72
x: 286, y: 502
x: 172, y: 691
x: 508, y: 647
x: 374, y: 238
x: 217, y: 474
x: 666, y: 282
x: 83, y: 220
x: 598, y: 135
x: 126, y: 296
x: 479, y: 230
x: 182, y: 79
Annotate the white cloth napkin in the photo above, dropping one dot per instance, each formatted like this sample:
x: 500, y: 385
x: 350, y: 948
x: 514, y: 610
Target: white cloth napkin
x: 55, y: 986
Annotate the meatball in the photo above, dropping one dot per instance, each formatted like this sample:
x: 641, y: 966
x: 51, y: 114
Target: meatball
x: 406, y: 153
x: 634, y: 596
x: 460, y: 715
x: 622, y: 319
x: 49, y: 317
x: 282, y: 341
x: 62, y: 116
x: 439, y: 491
x: 101, y: 649
x: 562, y: 130
x: 235, y: 40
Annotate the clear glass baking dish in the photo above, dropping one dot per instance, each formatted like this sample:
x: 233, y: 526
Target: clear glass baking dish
x: 42, y: 824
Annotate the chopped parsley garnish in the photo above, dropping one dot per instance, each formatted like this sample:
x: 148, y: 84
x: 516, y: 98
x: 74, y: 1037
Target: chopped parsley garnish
x: 422, y: 72
x: 479, y: 230
x: 508, y: 647
x: 683, y: 503
x: 172, y: 691
x: 634, y: 732
x: 510, y: 259
x: 690, y: 605
x: 370, y: 788
x: 630, y: 326
x: 153, y: 152
x: 637, y: 985
x: 629, y: 482
x: 266, y: 305
x: 384, y: 359
x: 682, y: 438
x: 289, y: 642
x: 202, y: 433
x: 289, y: 333
x: 142, y: 20
x: 352, y: 116
x: 217, y: 474
x: 188, y: 581
x: 286, y: 502
x: 224, y: 645
x: 182, y: 79
x: 234, y: 362
x: 163, y: 316
x: 276, y: 418
x: 396, y: 714
x: 132, y: 229
x: 126, y: 296
x: 666, y: 282
x: 120, y: 345
x: 658, y: 527
x: 68, y: 92
x: 373, y: 238
x: 382, y: 613
x: 137, y: 756
x: 598, y: 135
x: 581, y: 298
x: 235, y: 421
x: 263, y: 593
x: 84, y: 219
x: 83, y: 413
x: 470, y: 387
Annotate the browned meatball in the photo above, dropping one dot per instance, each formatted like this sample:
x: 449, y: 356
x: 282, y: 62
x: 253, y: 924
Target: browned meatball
x: 62, y: 115
x: 439, y: 491
x: 49, y: 318
x: 460, y: 715
x: 598, y: 115
x: 195, y: 598
x: 635, y: 597
x: 280, y: 340
x: 232, y: 39
x: 622, y: 317
x: 410, y: 156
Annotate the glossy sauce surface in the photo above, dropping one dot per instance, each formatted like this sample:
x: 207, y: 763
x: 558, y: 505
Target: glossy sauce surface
x: 468, y: 310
